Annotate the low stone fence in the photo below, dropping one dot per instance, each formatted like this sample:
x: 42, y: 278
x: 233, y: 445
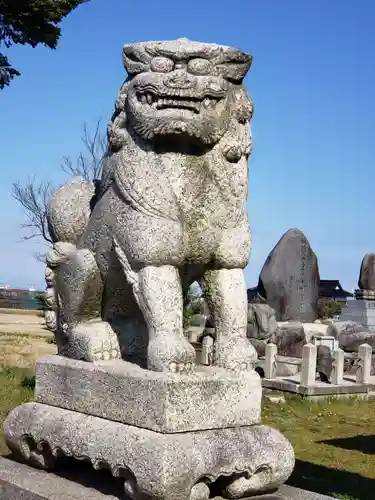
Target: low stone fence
x: 309, y: 365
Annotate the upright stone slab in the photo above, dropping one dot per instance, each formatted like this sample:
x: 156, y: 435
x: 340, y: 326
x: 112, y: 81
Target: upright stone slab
x: 362, y: 309
x: 289, y: 279
x: 125, y: 393
x: 366, y: 279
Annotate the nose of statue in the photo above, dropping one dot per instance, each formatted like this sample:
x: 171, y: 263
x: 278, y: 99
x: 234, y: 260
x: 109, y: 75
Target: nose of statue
x: 179, y: 79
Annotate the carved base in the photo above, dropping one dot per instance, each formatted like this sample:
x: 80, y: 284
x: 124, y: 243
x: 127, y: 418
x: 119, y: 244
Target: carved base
x: 234, y: 463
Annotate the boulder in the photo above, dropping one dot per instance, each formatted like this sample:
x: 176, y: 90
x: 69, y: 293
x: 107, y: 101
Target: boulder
x: 289, y: 279
x: 260, y: 346
x: 351, y: 335
x: 290, y: 338
x: 261, y: 321
x: 314, y: 329
x: 367, y: 273
x: 324, y: 363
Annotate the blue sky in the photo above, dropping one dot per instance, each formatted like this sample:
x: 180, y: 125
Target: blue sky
x: 312, y: 83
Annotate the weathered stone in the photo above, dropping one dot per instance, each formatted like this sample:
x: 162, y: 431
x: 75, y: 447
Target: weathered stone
x: 338, y: 362
x: 324, y: 363
x: 259, y: 346
x: 290, y: 338
x: 366, y: 279
x: 261, y: 321
x: 181, y: 122
x: 211, y: 398
x: 314, y: 329
x: 253, y: 459
x: 20, y: 482
x: 289, y: 279
x: 351, y: 335
x: 169, y: 210
x: 308, y: 365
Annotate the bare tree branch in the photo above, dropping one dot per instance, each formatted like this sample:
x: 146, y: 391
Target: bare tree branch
x: 90, y: 168
x: 34, y: 199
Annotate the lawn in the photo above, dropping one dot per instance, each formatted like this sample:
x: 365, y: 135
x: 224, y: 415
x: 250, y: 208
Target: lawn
x: 334, y: 441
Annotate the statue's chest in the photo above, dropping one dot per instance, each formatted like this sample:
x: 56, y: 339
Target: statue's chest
x: 210, y: 193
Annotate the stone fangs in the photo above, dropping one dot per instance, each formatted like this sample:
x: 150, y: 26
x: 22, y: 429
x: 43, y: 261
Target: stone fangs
x: 177, y: 102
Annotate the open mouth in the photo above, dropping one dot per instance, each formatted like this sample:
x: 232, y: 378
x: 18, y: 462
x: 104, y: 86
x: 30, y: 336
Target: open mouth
x: 177, y: 102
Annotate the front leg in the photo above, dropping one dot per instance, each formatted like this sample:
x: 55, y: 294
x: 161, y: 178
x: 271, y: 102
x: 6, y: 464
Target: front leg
x: 160, y: 299
x: 225, y: 291
x: 158, y: 292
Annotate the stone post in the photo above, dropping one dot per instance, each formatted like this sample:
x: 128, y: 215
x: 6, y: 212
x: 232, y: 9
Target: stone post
x: 270, y: 361
x: 308, y: 366
x: 364, y: 364
x: 338, y: 367
x: 207, y: 350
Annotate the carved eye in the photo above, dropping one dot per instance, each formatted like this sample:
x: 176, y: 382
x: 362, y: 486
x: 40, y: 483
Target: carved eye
x: 200, y: 67
x: 161, y: 65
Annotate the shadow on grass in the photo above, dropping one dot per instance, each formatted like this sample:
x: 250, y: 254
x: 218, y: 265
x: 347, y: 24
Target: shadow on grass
x: 365, y: 444
x: 331, y: 482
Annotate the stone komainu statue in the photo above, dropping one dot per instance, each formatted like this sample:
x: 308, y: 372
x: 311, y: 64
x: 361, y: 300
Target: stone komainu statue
x: 171, y: 210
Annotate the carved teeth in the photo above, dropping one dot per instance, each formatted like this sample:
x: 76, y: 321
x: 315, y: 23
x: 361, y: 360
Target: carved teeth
x: 176, y: 101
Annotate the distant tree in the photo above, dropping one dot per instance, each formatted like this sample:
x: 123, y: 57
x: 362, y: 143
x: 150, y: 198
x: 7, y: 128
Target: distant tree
x: 30, y: 22
x: 192, y: 304
x: 328, y: 309
x: 34, y: 196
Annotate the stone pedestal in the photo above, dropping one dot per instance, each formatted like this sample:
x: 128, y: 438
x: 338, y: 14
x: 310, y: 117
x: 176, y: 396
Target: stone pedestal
x: 359, y: 311
x: 167, y: 436
x: 21, y: 482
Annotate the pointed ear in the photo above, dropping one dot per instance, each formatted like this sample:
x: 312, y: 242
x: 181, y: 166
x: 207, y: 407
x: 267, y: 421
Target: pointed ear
x: 135, y: 58
x: 234, y: 64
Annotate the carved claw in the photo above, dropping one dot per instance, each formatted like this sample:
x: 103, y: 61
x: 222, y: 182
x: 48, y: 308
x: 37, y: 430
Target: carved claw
x: 171, y: 354
x: 235, y: 354
x: 181, y: 367
x: 93, y: 341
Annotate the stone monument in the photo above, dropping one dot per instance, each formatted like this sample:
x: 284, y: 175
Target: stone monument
x: 124, y: 391
x: 362, y: 309
x: 289, y: 279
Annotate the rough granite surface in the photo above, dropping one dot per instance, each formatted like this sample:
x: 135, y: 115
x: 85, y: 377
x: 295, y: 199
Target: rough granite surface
x: 366, y: 280
x: 21, y: 482
x: 211, y: 398
x: 170, y: 210
x: 253, y: 459
x: 289, y: 279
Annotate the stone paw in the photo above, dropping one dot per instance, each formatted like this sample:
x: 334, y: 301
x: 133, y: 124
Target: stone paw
x: 93, y: 341
x: 200, y: 491
x: 235, y: 354
x: 246, y: 485
x: 171, y: 354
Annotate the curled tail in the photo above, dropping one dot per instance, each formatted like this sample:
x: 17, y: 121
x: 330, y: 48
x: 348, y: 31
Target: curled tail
x: 67, y: 214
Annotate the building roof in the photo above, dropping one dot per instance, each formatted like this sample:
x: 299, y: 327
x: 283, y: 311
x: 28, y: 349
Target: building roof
x: 332, y: 289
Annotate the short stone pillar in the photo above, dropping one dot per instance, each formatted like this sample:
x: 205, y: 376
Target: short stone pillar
x: 270, y: 361
x: 308, y: 366
x: 338, y: 367
x: 207, y: 350
x: 364, y: 364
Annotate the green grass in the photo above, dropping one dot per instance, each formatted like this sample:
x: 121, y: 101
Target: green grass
x: 15, y: 389
x: 334, y: 441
